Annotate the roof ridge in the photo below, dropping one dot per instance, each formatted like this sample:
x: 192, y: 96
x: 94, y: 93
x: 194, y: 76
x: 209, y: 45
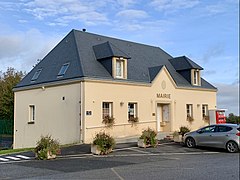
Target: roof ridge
x: 80, y: 62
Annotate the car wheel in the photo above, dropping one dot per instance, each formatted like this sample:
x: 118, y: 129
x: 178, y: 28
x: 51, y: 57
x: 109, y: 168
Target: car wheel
x: 190, y: 142
x: 232, y: 147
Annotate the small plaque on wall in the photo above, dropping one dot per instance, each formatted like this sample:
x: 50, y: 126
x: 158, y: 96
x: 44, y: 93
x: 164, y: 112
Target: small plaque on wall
x: 88, y: 113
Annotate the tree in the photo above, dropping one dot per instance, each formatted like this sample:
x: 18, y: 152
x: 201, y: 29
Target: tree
x: 8, y: 80
x: 233, y: 119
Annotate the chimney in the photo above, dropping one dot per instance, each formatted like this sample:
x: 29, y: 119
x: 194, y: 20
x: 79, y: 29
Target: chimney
x: 84, y: 30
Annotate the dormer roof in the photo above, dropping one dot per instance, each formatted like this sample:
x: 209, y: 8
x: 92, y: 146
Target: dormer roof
x: 108, y: 49
x: 184, y: 63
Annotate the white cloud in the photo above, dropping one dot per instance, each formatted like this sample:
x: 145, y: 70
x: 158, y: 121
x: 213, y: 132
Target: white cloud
x: 21, y: 50
x: 227, y: 97
x: 132, y: 14
x: 127, y: 3
x: 173, y: 5
x: 55, y: 11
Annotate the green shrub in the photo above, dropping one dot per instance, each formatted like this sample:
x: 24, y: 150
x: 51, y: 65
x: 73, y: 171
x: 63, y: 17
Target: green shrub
x: 105, y: 142
x: 149, y: 137
x: 183, y: 130
x: 108, y: 121
x: 46, y: 145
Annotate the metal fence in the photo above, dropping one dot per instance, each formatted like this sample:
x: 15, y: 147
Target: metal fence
x: 6, y: 134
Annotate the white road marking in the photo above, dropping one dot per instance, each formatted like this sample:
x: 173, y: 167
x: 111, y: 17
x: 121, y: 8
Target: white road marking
x: 13, y: 158
x: 115, y: 172
x: 3, y: 159
x: 23, y: 157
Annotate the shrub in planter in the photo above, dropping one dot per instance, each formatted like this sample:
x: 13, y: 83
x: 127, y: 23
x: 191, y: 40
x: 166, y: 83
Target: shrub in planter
x: 47, y: 148
x: 190, y: 118
x: 148, y: 138
x: 133, y: 120
x: 102, y: 143
x: 108, y: 121
x: 183, y: 130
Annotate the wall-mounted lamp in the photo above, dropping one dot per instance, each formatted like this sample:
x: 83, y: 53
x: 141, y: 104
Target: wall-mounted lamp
x: 121, y: 103
x: 43, y: 88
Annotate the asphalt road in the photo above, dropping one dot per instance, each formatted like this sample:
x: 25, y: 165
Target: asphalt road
x: 169, y: 161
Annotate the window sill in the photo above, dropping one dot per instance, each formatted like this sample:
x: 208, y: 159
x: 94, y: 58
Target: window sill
x: 31, y: 122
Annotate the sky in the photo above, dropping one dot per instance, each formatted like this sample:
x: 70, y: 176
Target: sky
x: 206, y: 31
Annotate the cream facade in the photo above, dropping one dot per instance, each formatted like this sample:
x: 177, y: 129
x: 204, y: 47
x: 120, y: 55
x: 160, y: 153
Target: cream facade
x: 88, y: 78
x: 72, y: 112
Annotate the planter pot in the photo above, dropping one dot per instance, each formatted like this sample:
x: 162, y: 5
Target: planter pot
x: 177, y: 138
x: 142, y: 144
x: 96, y: 150
x: 49, y: 155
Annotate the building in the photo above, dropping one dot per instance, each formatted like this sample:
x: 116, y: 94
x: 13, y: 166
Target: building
x: 89, y: 77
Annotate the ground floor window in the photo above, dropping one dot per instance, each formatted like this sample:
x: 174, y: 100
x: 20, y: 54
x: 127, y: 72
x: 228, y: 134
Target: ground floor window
x: 107, y: 109
x: 132, y: 110
x: 32, y: 113
x: 189, y: 108
x: 204, y: 110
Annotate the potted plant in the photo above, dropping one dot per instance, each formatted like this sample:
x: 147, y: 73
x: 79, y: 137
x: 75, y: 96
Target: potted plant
x: 102, y: 144
x: 177, y: 137
x: 108, y: 121
x: 148, y: 138
x: 190, y: 118
x: 133, y: 120
x: 206, y: 118
x: 183, y: 130
x: 47, y: 148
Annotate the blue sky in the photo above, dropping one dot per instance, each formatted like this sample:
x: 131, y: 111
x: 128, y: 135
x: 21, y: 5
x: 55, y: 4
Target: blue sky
x: 207, y: 31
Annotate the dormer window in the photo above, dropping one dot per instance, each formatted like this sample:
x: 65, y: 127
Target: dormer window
x: 196, y: 77
x: 36, y: 75
x: 63, y: 70
x: 119, y: 68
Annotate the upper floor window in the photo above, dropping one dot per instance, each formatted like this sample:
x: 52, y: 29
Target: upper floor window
x: 196, y: 77
x: 119, y: 68
x: 63, y: 69
x: 36, y: 75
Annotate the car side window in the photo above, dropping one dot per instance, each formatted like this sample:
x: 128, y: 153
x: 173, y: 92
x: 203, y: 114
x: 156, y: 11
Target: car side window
x: 224, y: 128
x: 209, y: 129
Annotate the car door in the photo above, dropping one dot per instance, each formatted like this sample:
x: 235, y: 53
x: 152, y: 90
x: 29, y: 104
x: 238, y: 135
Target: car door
x: 206, y: 136
x: 221, y: 135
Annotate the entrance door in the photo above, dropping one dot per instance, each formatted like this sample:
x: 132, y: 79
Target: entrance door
x: 163, y: 115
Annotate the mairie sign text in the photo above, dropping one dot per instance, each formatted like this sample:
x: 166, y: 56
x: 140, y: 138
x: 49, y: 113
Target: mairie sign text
x: 163, y: 95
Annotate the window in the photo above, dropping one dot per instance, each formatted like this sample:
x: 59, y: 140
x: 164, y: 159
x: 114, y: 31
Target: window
x: 132, y: 110
x: 107, y: 109
x: 32, y: 113
x: 36, y: 75
x: 204, y: 110
x: 119, y: 68
x: 196, y: 77
x: 63, y: 69
x: 224, y: 128
x: 208, y: 129
x: 189, y: 110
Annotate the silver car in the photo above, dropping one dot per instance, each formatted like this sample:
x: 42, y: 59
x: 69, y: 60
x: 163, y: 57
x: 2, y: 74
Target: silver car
x: 218, y: 135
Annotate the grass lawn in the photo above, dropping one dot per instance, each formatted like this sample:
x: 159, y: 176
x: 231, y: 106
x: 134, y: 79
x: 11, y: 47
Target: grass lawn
x: 11, y: 151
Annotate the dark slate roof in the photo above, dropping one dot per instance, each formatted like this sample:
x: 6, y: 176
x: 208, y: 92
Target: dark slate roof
x: 184, y: 63
x: 153, y: 72
x: 106, y: 50
x: 82, y: 49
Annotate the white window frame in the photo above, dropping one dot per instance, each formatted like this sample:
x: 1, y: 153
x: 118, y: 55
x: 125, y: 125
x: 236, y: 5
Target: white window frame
x: 204, y: 110
x: 189, y: 110
x: 132, y: 110
x: 196, y: 77
x: 107, y: 109
x: 119, y: 68
x: 32, y: 113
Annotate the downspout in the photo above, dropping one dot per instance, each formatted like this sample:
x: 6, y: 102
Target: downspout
x: 82, y: 104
